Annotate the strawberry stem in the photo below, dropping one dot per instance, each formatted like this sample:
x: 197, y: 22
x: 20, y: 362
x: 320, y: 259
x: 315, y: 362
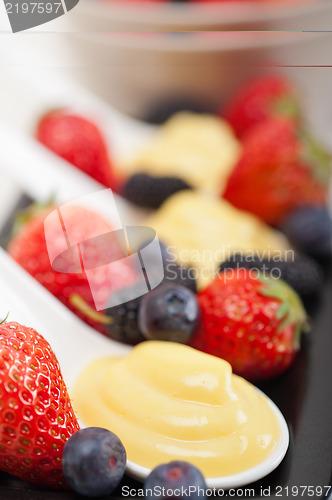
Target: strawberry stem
x: 22, y: 217
x: 4, y: 320
x: 83, y: 307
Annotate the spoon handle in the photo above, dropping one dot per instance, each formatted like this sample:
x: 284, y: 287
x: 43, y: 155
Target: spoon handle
x: 74, y: 343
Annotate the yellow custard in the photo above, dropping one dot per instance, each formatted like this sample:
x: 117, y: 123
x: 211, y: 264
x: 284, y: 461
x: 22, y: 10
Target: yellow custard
x: 203, y: 231
x: 169, y: 401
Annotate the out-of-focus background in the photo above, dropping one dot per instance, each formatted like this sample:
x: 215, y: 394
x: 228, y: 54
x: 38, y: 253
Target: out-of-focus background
x: 116, y: 51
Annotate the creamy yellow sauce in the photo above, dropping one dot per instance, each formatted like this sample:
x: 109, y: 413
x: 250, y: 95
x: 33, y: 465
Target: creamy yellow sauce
x: 169, y: 401
x: 200, y: 149
x: 203, y: 231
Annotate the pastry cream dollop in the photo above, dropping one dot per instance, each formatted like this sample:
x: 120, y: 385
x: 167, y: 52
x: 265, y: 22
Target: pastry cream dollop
x: 169, y: 401
x: 202, y: 231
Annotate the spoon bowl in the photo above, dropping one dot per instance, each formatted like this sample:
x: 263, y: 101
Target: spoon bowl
x: 242, y: 478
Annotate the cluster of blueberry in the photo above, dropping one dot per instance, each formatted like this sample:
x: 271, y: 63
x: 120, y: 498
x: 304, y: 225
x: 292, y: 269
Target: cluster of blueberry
x: 169, y: 312
x: 94, y: 461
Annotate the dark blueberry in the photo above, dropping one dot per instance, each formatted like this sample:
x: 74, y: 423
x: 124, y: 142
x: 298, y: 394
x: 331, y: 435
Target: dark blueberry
x: 309, y: 229
x: 148, y: 191
x: 176, y: 479
x: 301, y: 272
x: 94, y: 461
x: 169, y: 312
x: 124, y: 325
x: 124, y: 317
x: 161, y: 112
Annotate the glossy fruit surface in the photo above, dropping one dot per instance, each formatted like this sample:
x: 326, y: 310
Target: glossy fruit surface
x: 178, y: 476
x: 29, y: 249
x: 169, y: 312
x: 36, y: 415
x: 94, y: 461
x: 79, y: 141
x: 280, y: 169
x: 253, y: 322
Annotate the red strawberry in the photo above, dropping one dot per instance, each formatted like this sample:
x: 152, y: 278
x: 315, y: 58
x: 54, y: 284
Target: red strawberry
x: 252, y: 321
x: 265, y: 96
x: 36, y: 416
x: 29, y: 249
x: 280, y: 168
x: 79, y: 141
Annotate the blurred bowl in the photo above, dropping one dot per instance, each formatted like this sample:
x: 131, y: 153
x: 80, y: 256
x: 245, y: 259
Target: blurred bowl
x: 135, y: 72
x: 101, y: 15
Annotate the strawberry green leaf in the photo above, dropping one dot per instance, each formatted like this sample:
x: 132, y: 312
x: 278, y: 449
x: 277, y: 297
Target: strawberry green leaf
x: 290, y: 310
x: 287, y: 106
x: 22, y: 217
x: 316, y: 157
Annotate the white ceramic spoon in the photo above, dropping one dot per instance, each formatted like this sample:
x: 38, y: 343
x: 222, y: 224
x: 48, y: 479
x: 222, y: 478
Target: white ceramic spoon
x: 76, y: 344
x: 40, y: 173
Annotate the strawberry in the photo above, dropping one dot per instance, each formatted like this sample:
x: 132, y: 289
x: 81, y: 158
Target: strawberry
x: 36, y: 416
x: 79, y: 141
x: 252, y: 321
x: 29, y: 249
x: 279, y: 169
x: 263, y: 97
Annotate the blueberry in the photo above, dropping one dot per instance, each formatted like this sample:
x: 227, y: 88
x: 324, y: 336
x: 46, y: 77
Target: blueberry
x: 148, y: 191
x: 123, y: 326
x: 176, y: 479
x: 309, y: 229
x: 94, y: 461
x: 161, y: 112
x: 301, y: 272
x: 169, y: 312
x: 124, y: 317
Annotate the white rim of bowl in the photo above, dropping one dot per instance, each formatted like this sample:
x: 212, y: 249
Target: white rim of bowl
x: 196, y: 14
x: 198, y: 44
x: 242, y: 478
